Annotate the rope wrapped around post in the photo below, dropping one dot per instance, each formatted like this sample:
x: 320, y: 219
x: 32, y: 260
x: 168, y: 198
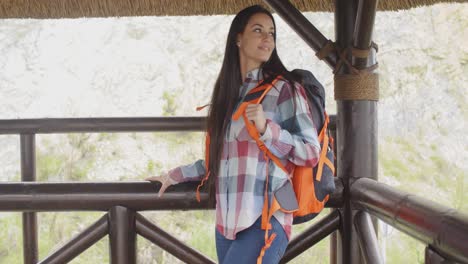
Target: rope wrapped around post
x: 360, y: 84
x: 364, y: 86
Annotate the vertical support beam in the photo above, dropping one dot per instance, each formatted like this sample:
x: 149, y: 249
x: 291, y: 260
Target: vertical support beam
x: 367, y: 238
x: 345, y: 13
x: 334, y: 236
x: 28, y: 173
x: 356, y: 120
x: 357, y: 117
x: 333, y: 247
x: 122, y: 236
x: 362, y: 40
x: 363, y: 31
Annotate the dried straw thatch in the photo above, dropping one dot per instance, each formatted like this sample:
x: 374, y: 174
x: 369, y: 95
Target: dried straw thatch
x: 112, y: 8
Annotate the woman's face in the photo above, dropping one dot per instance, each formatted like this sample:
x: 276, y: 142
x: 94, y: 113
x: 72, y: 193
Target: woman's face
x: 257, y: 42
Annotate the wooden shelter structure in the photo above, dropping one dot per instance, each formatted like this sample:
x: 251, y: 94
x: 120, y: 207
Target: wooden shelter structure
x: 352, y: 57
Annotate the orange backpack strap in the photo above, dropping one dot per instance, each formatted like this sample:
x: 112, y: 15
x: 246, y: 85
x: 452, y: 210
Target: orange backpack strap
x: 251, y: 128
x: 323, y: 137
x: 207, y: 159
x: 207, y: 162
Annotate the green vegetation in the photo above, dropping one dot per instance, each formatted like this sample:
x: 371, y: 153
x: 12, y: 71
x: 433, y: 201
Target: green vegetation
x: 170, y: 106
x: 72, y: 161
x: 404, y: 249
x: 421, y: 170
x: 10, y: 238
x: 415, y: 164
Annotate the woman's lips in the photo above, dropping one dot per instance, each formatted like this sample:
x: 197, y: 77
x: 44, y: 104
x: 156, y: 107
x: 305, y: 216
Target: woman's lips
x: 264, y: 48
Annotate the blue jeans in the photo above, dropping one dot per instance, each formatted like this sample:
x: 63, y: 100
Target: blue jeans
x: 246, y: 247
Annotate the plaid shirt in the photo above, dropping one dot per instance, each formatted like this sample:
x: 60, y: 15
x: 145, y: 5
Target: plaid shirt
x: 290, y: 135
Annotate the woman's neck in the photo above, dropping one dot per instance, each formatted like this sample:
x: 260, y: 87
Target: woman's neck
x: 247, y: 66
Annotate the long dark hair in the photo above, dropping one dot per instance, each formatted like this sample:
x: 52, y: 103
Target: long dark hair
x: 226, y: 89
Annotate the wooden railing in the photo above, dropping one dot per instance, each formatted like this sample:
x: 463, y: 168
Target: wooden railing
x: 443, y: 230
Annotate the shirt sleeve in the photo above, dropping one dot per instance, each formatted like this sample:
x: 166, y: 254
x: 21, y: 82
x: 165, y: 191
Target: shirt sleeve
x: 190, y: 172
x: 292, y: 135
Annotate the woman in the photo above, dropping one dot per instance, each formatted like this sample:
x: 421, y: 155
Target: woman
x: 237, y: 167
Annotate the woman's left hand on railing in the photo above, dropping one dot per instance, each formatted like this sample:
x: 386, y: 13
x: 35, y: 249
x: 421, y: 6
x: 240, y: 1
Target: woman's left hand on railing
x: 165, y: 181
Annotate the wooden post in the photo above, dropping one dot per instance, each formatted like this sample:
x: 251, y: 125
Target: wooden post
x: 362, y: 41
x: 122, y: 236
x: 345, y: 12
x: 356, y: 115
x: 28, y: 173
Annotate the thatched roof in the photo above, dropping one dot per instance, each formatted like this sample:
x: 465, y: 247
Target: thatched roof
x: 112, y: 8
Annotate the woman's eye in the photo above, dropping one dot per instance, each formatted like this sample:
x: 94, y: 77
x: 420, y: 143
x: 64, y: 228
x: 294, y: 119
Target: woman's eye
x: 258, y: 30
x: 272, y: 34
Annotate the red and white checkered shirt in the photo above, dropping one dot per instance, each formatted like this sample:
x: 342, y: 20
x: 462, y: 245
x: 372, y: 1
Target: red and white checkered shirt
x: 290, y: 135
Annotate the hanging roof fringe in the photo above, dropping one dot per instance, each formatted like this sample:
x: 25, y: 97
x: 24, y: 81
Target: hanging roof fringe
x: 44, y: 9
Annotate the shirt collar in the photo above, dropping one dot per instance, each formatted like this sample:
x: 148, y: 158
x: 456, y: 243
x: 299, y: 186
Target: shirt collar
x: 254, y: 75
x: 251, y: 80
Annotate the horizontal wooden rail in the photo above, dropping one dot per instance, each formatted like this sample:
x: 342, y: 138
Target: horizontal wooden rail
x: 92, y: 196
x: 110, y: 124
x: 445, y: 229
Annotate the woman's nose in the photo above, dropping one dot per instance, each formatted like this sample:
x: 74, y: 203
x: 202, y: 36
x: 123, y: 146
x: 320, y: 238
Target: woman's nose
x: 267, y: 36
